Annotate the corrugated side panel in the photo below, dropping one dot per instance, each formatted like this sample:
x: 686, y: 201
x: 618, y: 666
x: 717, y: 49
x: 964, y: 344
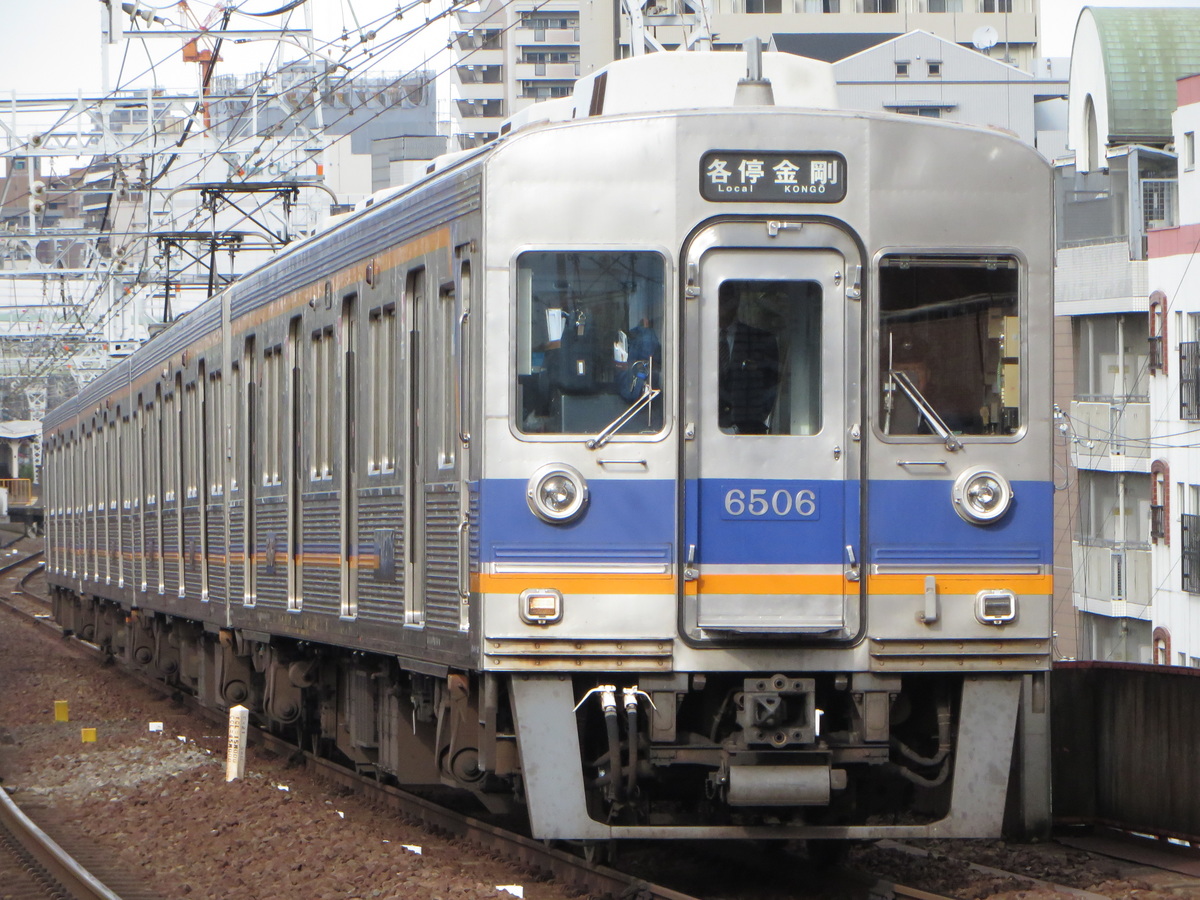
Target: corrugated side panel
x: 150, y: 536
x: 217, y: 582
x: 192, y: 552
x: 170, y: 550
x: 441, y: 558
x: 321, y: 577
x: 113, y: 550
x: 130, y: 547
x: 270, y: 521
x: 237, y: 553
x: 381, y: 538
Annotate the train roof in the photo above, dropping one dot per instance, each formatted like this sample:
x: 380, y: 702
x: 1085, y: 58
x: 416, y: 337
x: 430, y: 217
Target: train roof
x: 681, y: 82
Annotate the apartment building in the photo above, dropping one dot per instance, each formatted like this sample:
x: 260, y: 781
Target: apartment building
x: 1116, y: 193
x: 510, y: 55
x: 1174, y: 387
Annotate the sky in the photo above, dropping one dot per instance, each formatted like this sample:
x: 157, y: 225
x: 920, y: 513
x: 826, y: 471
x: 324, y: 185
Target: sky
x: 53, y: 46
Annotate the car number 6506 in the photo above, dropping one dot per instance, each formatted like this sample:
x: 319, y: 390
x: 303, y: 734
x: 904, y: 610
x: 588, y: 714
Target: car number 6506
x: 764, y: 503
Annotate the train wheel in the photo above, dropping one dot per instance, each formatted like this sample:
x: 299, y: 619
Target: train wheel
x: 600, y: 853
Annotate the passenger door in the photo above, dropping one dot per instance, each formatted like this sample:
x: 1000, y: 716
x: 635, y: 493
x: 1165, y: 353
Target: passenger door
x: 771, y: 453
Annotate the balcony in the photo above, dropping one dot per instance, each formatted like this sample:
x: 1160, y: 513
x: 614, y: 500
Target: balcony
x: 1112, y: 579
x: 1097, y: 278
x: 480, y: 59
x: 559, y: 71
x: 481, y: 92
x: 473, y: 73
x: 525, y: 35
x: 1111, y: 435
x: 481, y: 39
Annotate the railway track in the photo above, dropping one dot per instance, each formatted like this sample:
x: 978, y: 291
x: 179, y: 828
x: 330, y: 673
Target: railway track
x: 33, y: 865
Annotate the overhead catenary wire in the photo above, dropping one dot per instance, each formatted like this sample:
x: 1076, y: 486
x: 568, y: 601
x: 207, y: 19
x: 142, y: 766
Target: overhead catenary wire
x: 87, y: 307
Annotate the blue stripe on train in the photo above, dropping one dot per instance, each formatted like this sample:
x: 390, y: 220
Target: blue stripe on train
x: 765, y: 522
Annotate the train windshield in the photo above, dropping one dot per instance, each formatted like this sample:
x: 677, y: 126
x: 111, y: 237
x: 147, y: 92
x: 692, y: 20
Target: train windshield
x: 949, y: 346
x: 589, y: 342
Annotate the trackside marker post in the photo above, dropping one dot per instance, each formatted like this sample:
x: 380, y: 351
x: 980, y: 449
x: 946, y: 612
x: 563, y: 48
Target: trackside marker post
x: 87, y: 735
x: 235, y: 757
x: 60, y: 711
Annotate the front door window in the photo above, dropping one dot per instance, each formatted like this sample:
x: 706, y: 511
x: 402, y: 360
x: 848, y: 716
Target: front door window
x: 769, y: 357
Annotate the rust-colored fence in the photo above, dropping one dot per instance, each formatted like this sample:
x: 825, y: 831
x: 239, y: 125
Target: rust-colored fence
x: 20, y: 490
x: 1126, y: 743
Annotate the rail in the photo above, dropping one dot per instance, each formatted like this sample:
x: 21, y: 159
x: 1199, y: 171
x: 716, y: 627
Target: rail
x: 49, y: 858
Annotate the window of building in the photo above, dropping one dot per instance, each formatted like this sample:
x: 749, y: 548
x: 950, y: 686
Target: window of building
x: 1160, y: 502
x: 1162, y: 647
x: 1189, y: 529
x: 901, y: 68
x: 553, y: 56
x: 764, y: 6
x: 879, y: 6
x: 946, y: 6
x: 995, y: 6
x: 935, y: 68
x: 821, y: 6
x: 1111, y: 359
x: 1158, y: 332
x: 1189, y: 150
x: 1189, y: 380
x: 546, y: 90
x: 589, y: 340
x: 545, y: 21
x: 928, y: 112
x: 941, y: 317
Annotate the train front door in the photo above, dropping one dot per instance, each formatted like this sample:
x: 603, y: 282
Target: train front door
x: 771, y: 534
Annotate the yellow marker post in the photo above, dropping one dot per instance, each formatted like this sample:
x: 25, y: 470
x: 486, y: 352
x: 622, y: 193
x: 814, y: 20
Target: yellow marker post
x: 87, y: 735
x: 60, y: 711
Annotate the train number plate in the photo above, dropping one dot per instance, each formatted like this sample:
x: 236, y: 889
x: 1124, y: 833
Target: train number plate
x: 769, y: 503
x: 743, y: 176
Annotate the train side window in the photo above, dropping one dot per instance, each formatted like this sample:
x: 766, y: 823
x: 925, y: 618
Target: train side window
x: 190, y: 438
x: 589, y: 340
x: 447, y: 351
x: 272, y: 400
x: 324, y: 380
x: 950, y: 355
x: 214, y: 407
x: 382, y: 440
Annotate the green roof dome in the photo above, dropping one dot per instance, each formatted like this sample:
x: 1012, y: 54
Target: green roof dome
x: 1145, y: 50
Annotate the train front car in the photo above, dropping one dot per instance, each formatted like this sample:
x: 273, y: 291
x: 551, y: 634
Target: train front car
x: 765, y: 508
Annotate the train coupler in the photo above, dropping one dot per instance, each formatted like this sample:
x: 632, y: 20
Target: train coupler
x: 778, y: 711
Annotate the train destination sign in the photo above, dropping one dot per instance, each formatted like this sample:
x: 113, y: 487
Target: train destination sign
x: 748, y: 175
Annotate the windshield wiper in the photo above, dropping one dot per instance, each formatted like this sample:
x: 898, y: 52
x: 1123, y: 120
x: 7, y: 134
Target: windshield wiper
x: 648, y: 396
x: 923, y: 406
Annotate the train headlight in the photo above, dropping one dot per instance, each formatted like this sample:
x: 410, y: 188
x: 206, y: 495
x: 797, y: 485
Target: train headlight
x: 557, y: 493
x: 982, y: 496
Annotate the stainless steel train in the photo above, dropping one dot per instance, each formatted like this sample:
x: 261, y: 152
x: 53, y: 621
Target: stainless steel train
x: 676, y: 465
